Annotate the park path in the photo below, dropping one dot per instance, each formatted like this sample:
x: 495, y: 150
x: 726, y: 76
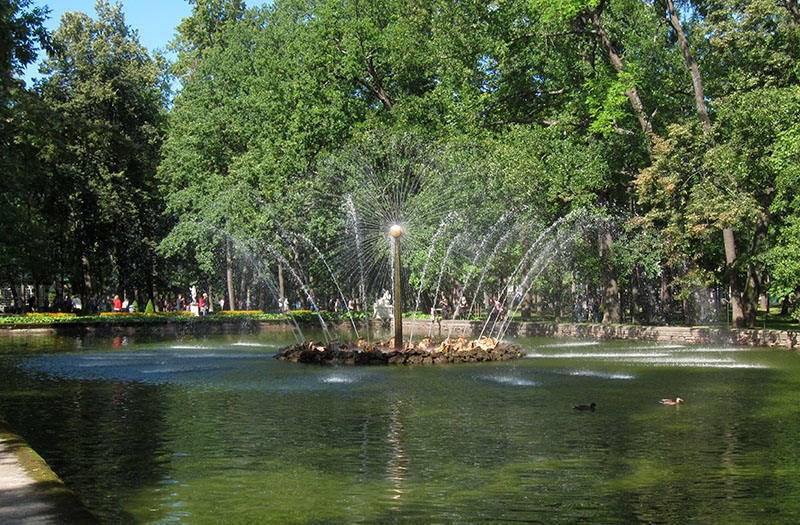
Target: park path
x: 30, y: 493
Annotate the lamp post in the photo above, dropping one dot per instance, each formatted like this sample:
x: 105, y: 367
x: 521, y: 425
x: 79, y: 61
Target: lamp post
x: 396, y: 231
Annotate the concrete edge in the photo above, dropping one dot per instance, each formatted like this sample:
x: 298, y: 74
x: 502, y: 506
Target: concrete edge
x: 692, y: 335
x: 45, y: 484
x: 754, y: 337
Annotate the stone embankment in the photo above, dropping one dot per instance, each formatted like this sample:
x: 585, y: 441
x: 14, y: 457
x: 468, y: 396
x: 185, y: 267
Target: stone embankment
x: 438, y: 329
x: 29, y: 491
x: 425, y: 352
x: 788, y: 339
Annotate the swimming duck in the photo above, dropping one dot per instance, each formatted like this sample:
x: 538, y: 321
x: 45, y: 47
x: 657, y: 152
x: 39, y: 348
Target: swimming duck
x: 677, y: 401
x: 585, y: 407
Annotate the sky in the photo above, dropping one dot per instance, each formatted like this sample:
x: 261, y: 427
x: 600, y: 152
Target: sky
x: 154, y: 19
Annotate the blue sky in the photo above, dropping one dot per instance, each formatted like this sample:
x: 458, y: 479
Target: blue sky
x: 154, y: 19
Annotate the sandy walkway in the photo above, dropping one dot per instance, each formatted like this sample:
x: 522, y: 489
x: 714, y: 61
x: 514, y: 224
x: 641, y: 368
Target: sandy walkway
x: 30, y: 493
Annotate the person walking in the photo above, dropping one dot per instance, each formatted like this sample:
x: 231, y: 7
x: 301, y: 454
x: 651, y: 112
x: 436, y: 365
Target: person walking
x: 463, y: 307
x: 444, y: 304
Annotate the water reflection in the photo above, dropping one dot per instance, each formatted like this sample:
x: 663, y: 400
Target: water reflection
x: 215, y: 430
x: 397, y: 465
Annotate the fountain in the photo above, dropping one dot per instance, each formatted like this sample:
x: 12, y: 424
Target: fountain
x: 425, y: 352
x: 397, y: 350
x: 396, y: 231
x: 390, y: 200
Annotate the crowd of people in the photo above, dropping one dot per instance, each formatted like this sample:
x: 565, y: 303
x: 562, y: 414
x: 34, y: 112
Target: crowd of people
x: 461, y: 310
x: 585, y: 309
x: 312, y: 304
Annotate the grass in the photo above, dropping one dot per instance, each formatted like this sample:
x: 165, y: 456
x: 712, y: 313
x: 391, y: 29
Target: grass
x: 775, y: 321
x: 126, y: 318
x: 155, y: 318
x: 772, y: 321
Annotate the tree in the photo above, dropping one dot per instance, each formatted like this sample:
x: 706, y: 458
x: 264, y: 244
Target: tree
x: 107, y: 96
x: 782, y: 260
x: 739, y: 196
x: 21, y: 31
x: 24, y: 229
x: 561, y: 105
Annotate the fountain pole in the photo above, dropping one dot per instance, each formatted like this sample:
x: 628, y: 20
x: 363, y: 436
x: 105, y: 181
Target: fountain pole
x: 396, y: 231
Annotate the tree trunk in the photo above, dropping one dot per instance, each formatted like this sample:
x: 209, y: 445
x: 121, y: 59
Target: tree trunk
x: 750, y: 296
x: 151, y: 277
x: 244, y: 289
x: 17, y: 303
x: 282, y: 290
x: 785, y: 305
x: 734, y: 283
x: 229, y: 273
x: 694, y: 71
x: 86, y: 289
x: 636, y: 309
x: 690, y: 309
x: 611, y: 300
x: 794, y: 12
x: 632, y: 93
x: 527, y: 306
x: 262, y: 299
x: 666, y: 297
x: 754, y: 284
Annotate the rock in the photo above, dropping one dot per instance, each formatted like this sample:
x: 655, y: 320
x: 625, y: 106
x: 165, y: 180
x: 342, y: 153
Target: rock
x: 424, y: 352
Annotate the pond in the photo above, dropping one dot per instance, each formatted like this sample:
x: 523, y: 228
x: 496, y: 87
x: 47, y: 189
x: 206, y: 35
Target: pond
x: 214, y: 430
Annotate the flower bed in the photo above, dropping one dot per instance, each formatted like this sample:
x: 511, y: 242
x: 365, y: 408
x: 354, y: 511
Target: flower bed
x: 160, y: 317
x: 127, y: 314
x: 38, y: 318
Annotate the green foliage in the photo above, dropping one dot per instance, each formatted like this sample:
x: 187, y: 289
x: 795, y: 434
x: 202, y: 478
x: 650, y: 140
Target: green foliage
x: 21, y: 31
x: 452, y: 116
x: 667, y: 189
x: 748, y: 45
x: 562, y: 10
x: 24, y: 221
x: 138, y: 318
x: 106, y: 97
x: 548, y: 169
x: 607, y: 107
x: 149, y: 309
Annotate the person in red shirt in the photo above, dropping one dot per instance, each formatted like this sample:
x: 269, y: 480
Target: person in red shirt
x: 117, y: 304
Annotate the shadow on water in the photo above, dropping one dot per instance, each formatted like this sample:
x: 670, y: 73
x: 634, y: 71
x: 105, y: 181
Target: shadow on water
x: 214, y: 430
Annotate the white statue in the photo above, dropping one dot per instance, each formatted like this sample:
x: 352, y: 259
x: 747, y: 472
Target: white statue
x: 194, y: 307
x: 383, y: 306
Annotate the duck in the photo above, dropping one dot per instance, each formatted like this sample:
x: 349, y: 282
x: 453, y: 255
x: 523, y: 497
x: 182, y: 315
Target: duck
x: 676, y: 401
x: 586, y: 407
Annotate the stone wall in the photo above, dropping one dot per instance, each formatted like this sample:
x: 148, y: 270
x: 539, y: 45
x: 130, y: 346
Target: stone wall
x: 661, y: 334
x: 441, y: 329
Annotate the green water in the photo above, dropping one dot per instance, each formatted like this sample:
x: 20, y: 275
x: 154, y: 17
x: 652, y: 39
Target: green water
x: 217, y: 431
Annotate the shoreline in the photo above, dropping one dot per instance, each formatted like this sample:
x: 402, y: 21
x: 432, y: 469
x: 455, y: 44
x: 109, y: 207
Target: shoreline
x: 748, y: 337
x: 752, y: 337
x: 30, y: 492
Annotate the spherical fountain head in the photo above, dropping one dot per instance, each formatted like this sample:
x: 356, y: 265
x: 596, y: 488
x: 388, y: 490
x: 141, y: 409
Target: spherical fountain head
x: 396, y: 231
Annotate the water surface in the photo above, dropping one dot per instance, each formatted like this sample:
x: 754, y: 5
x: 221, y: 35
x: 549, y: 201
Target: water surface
x: 215, y: 430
